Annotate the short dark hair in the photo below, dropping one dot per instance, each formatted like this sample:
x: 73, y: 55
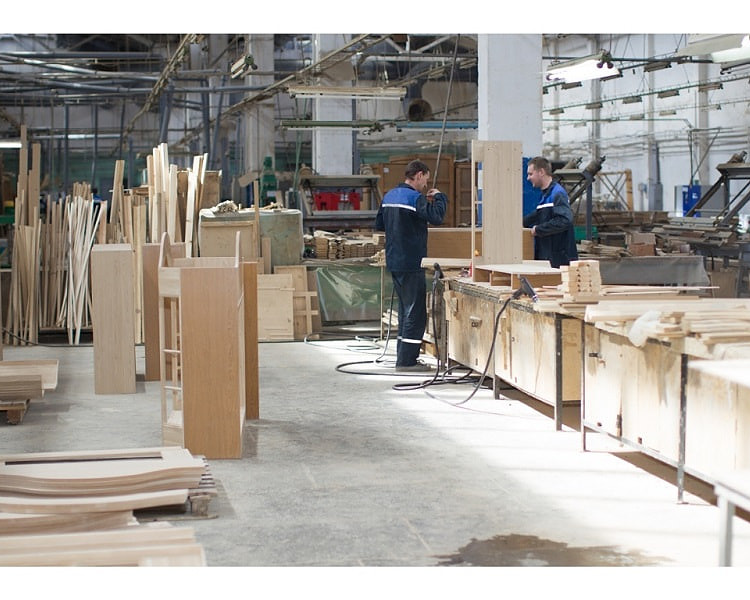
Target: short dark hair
x: 541, y: 163
x: 415, y: 167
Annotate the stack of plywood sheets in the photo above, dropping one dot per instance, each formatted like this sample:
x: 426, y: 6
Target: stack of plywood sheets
x: 22, y: 381
x: 76, y: 508
x: 155, y: 544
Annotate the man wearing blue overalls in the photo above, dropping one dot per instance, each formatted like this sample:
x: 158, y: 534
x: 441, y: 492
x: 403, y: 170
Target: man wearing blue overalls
x: 404, y: 214
x: 551, y: 222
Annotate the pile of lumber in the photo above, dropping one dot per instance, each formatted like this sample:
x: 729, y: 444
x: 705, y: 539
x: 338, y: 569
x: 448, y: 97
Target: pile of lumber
x: 695, y: 230
x: 76, y: 508
x: 710, y: 320
x: 589, y: 248
x: 335, y: 247
x: 581, y: 281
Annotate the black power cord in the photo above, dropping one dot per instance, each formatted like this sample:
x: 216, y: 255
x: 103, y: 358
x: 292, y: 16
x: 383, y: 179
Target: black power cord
x: 524, y: 289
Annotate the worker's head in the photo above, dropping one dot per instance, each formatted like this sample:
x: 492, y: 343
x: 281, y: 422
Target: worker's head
x: 539, y: 172
x: 417, y: 174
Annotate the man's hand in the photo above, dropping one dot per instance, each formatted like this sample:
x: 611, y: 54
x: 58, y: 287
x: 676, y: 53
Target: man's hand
x: 533, y: 231
x: 431, y: 194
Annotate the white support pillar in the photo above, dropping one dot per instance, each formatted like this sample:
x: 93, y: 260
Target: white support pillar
x: 332, y: 149
x: 510, y: 89
x: 259, y: 116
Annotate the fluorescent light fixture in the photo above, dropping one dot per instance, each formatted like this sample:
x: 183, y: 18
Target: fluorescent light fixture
x: 668, y: 93
x: 702, y: 44
x: 556, y: 111
x: 632, y: 100
x: 666, y: 113
x: 595, y: 66
x: 376, y: 93
x: 571, y: 85
x: 10, y: 143
x: 657, y: 65
x: 714, y: 85
x: 638, y: 117
x: 594, y: 105
x: 741, y: 52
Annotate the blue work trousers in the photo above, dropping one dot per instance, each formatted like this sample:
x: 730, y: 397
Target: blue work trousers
x: 412, y: 315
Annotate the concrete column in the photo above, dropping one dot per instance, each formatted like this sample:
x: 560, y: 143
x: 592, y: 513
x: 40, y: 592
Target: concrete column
x: 510, y: 89
x: 332, y: 149
x: 259, y: 116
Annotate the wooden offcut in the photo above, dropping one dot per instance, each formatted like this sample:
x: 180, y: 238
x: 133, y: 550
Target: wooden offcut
x: 113, y: 313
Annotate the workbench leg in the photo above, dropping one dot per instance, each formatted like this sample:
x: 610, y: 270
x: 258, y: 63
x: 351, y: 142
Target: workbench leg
x: 726, y: 512
x: 683, y: 423
x: 558, y: 373
x: 583, y: 385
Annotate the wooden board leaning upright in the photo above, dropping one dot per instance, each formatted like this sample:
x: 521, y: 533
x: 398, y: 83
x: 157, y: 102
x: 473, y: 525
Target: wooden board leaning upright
x: 502, y: 206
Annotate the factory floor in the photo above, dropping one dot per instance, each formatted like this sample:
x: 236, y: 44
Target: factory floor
x: 344, y: 470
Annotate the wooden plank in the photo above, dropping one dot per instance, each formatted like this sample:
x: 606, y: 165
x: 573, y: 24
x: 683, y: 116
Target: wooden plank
x: 150, y: 262
x: 453, y: 242
x: 18, y: 524
x: 301, y: 299
x: 502, y: 205
x: 213, y: 378
x: 252, y: 381
x: 91, y: 504
x: 113, y: 313
x: 275, y: 308
x: 46, y: 369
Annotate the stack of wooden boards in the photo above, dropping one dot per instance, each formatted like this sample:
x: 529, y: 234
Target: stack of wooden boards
x: 76, y: 508
x: 581, y: 281
x: 22, y: 381
x: 709, y: 320
x: 335, y: 247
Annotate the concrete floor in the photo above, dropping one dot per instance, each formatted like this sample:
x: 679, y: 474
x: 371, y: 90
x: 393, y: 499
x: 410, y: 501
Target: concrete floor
x: 343, y: 470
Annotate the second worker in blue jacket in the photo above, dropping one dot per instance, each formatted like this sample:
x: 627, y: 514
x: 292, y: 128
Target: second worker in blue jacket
x: 551, y: 222
x: 404, y: 214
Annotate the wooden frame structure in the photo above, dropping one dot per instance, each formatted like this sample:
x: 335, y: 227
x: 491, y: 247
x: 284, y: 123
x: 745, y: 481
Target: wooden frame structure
x: 202, y: 352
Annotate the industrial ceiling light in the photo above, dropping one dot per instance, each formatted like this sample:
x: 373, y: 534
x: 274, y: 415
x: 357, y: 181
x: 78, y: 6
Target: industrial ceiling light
x: 571, y: 85
x: 657, y: 65
x: 364, y: 93
x: 594, y: 105
x: 666, y: 113
x: 595, y: 66
x: 730, y: 55
x: 638, y: 117
x: 713, y: 85
x: 556, y: 111
x: 668, y: 93
x: 703, y: 44
x: 632, y: 100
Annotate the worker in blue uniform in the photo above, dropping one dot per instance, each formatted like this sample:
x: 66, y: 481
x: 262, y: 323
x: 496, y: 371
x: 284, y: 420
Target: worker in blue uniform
x: 404, y: 214
x: 551, y: 222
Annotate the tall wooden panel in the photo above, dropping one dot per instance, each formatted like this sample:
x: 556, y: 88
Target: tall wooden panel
x: 502, y: 200
x: 151, y: 310
x: 252, y: 385
x: 112, y: 316
x: 201, y: 332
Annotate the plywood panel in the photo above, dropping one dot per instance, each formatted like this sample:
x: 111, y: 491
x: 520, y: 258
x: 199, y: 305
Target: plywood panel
x: 112, y: 316
x: 213, y: 379
x: 452, y: 242
x: 502, y: 200
x: 275, y: 308
x: 151, y: 310
x: 252, y: 382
